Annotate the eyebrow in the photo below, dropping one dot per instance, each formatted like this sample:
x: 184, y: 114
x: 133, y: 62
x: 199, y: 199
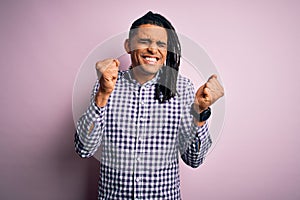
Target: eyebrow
x: 149, y: 40
x: 161, y: 42
x: 144, y: 39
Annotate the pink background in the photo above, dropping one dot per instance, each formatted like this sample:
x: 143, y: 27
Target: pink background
x: 255, y: 45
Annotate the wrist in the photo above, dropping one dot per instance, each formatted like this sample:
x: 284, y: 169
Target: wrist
x: 198, y: 109
x: 199, y: 114
x: 198, y: 123
x: 101, y: 98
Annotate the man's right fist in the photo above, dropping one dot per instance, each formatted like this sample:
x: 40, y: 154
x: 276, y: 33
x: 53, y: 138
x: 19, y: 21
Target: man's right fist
x: 107, y: 71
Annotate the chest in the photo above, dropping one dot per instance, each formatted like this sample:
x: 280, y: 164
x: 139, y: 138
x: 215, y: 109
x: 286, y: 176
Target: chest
x: 134, y: 111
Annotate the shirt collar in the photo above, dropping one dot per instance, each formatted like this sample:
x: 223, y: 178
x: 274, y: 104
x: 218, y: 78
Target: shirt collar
x: 128, y: 75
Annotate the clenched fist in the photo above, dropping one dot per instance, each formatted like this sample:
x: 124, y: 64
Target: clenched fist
x: 107, y: 71
x: 208, y: 94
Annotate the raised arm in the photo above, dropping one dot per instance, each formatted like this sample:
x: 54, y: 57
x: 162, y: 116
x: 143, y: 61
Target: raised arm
x: 91, y: 124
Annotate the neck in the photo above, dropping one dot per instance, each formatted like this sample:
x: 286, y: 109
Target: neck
x: 141, y: 77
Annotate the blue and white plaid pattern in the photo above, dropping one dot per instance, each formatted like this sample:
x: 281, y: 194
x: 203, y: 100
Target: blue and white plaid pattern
x: 140, y: 139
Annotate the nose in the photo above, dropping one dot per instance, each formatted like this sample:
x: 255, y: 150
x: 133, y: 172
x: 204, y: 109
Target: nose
x: 152, y: 48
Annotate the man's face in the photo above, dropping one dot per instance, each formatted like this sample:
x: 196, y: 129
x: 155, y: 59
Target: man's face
x: 148, y: 49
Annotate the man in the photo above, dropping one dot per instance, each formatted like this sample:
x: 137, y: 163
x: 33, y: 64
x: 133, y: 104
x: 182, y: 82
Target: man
x: 142, y: 118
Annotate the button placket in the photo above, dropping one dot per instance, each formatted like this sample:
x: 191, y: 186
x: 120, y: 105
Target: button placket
x: 139, y: 131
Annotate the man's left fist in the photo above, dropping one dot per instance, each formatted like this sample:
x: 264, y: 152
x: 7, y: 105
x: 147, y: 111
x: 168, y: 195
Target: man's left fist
x: 208, y: 94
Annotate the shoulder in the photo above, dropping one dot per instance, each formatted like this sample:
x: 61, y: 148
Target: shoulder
x: 122, y: 75
x: 183, y: 84
x: 185, y: 90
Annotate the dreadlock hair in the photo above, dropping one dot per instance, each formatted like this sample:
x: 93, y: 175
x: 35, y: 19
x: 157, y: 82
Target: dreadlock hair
x: 165, y: 89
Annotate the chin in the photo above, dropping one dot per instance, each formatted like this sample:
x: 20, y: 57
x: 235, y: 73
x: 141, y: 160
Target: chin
x: 151, y: 69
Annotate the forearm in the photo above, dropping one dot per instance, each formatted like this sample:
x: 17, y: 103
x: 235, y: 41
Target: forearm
x: 89, y: 131
x: 101, y: 98
x: 196, y: 146
x: 90, y: 126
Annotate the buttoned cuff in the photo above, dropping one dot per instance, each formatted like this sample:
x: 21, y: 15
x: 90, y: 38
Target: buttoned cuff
x: 201, y: 137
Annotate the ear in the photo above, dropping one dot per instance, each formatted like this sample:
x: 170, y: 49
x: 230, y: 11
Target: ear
x: 127, y: 46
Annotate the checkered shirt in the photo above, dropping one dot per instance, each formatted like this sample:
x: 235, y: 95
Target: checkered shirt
x: 139, y: 139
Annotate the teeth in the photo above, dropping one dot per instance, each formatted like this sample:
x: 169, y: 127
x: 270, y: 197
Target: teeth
x: 151, y: 59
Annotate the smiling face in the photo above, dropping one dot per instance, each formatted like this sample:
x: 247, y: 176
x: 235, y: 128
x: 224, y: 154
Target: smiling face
x: 148, y: 51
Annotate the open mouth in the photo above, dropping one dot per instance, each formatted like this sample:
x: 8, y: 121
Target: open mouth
x: 150, y: 60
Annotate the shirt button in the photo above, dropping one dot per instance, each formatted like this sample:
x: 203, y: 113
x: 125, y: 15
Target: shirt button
x: 138, y: 179
x: 142, y: 102
x: 138, y: 159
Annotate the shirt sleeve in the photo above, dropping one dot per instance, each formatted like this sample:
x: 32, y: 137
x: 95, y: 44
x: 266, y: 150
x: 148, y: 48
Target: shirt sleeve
x: 194, y: 141
x: 90, y: 127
